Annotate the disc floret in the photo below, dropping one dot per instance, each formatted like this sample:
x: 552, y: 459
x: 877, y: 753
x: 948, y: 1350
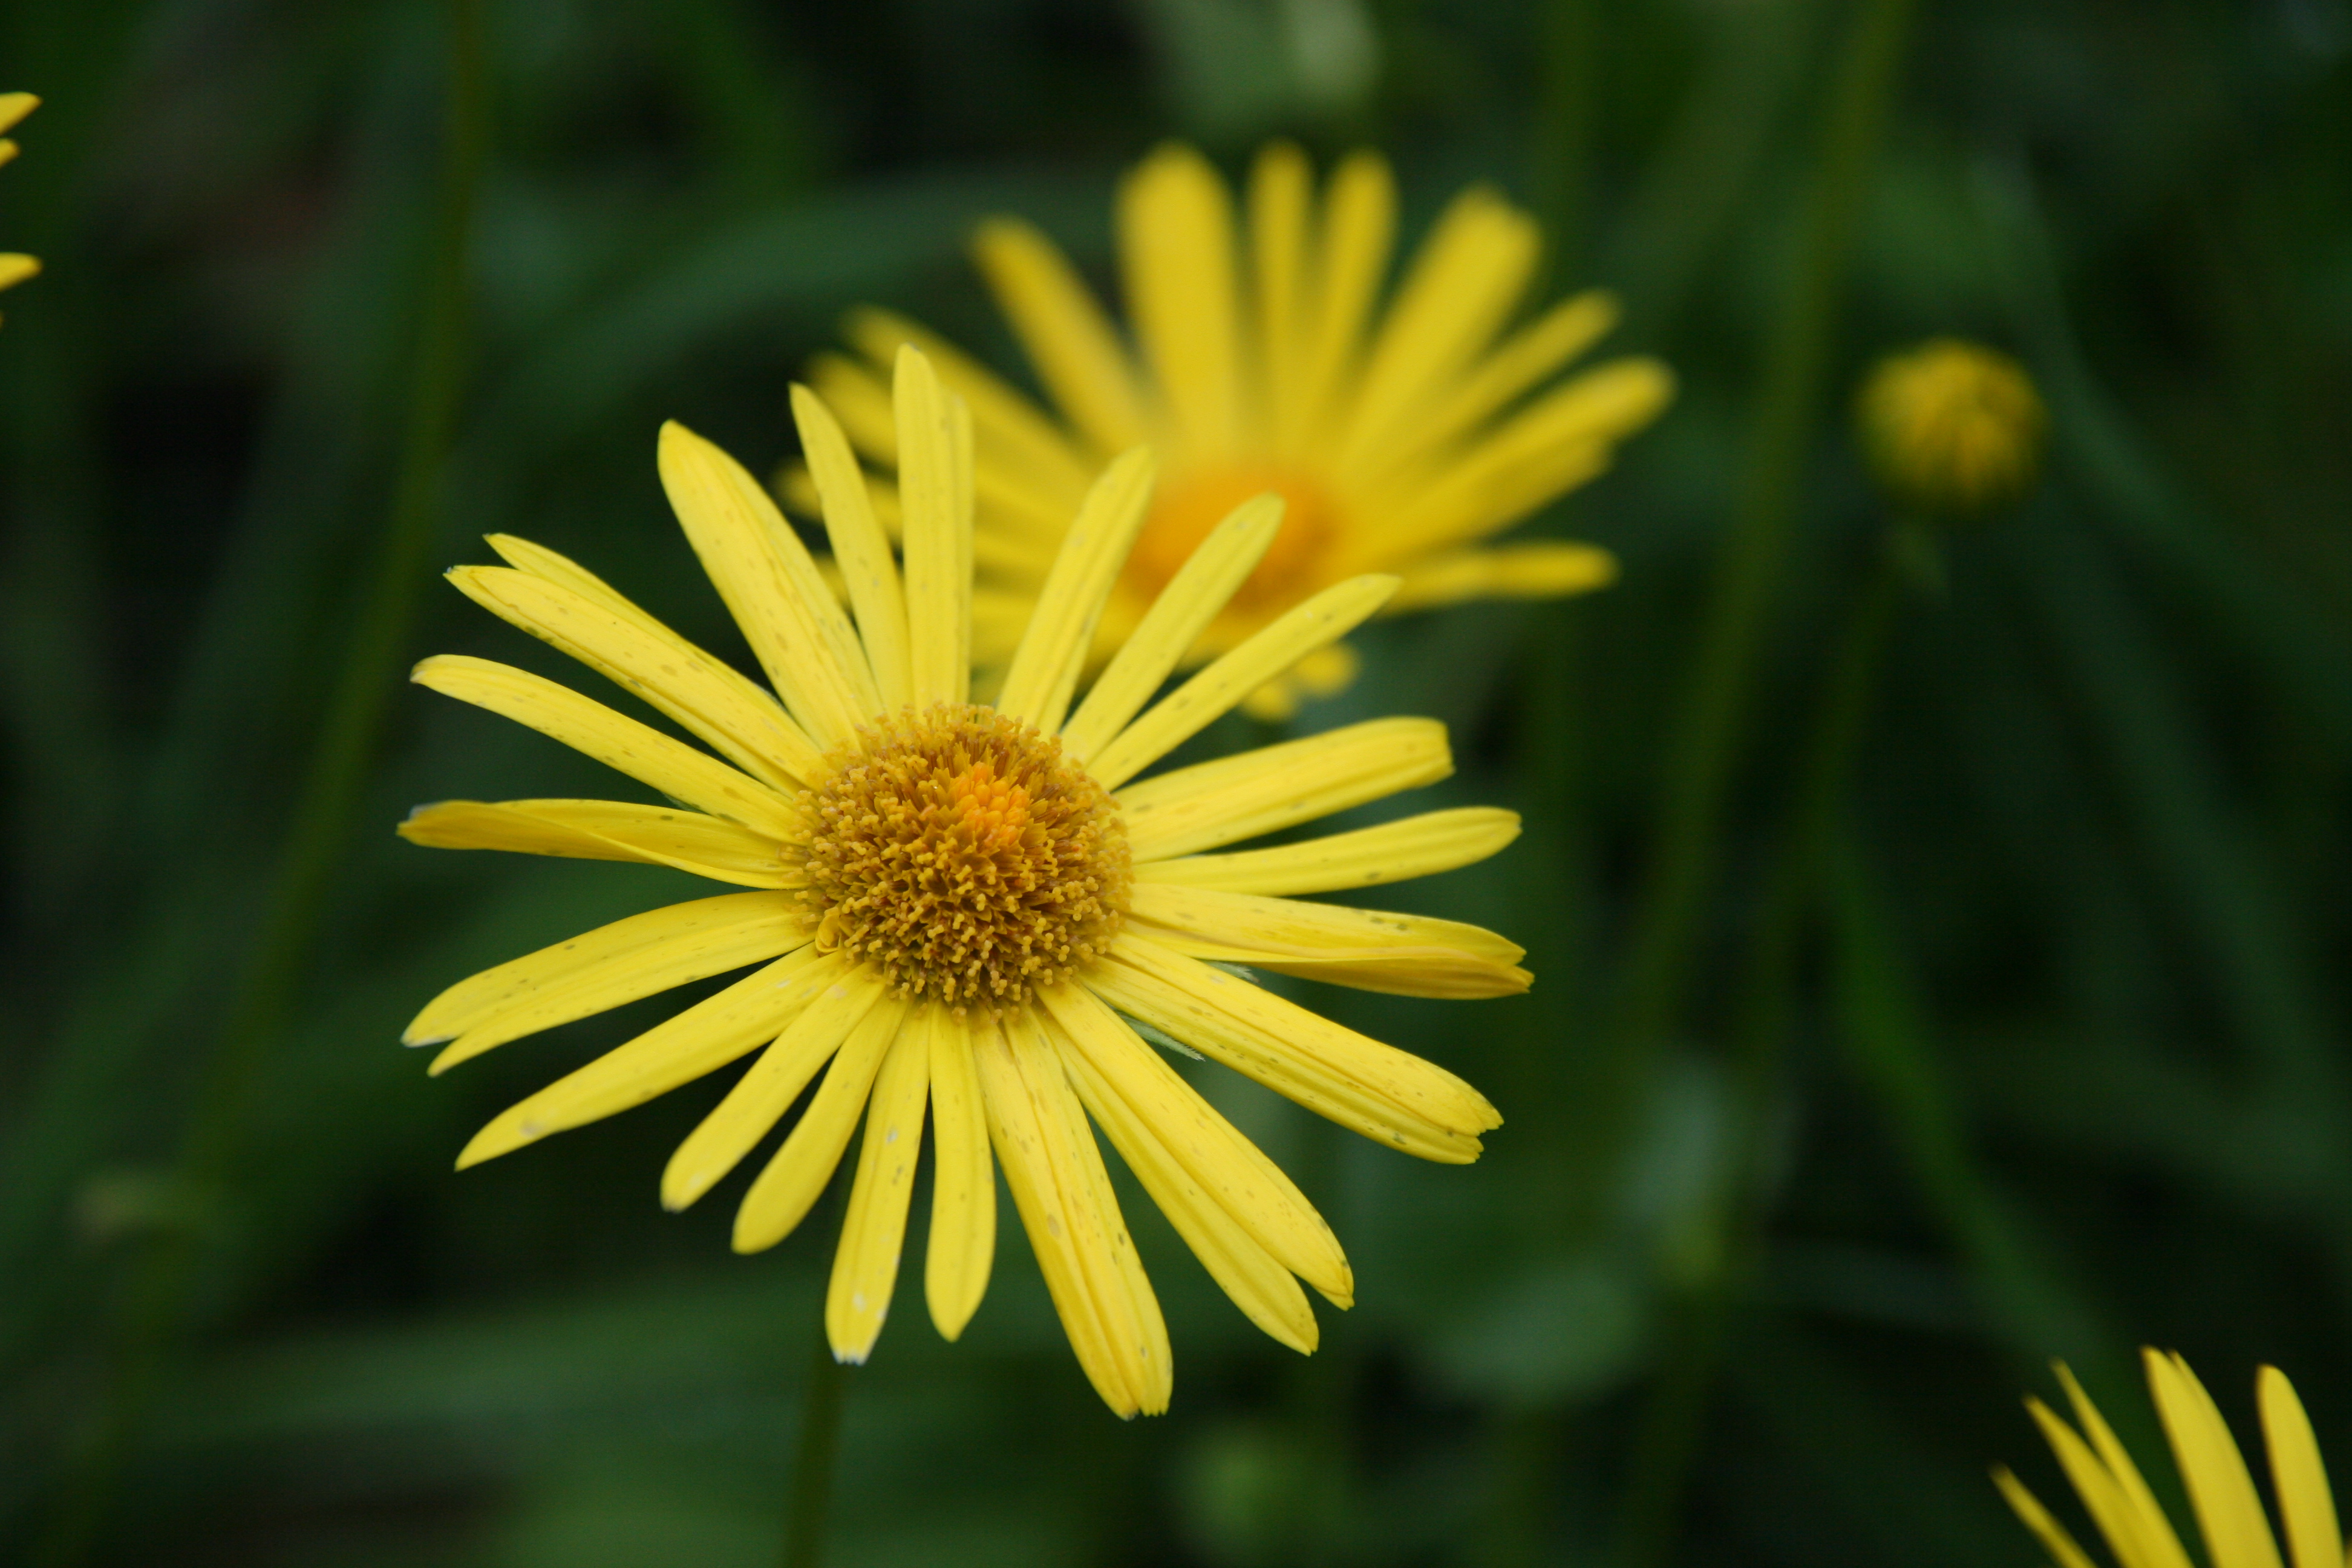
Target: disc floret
x: 959, y: 853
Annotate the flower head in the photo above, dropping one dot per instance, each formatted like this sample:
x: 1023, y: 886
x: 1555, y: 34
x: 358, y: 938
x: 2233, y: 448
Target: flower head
x: 1401, y: 438
x: 962, y: 911
x: 2221, y: 1492
x: 15, y: 265
x: 1951, y: 426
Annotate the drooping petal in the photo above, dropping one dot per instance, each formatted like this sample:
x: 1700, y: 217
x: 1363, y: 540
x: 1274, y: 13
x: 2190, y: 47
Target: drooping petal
x: 962, y: 1247
x: 702, y: 1039
x: 1218, y: 690
x: 1053, y: 651
x: 1201, y: 588
x: 873, y: 1230
x: 1274, y: 787
x: 605, y: 830
x: 1396, y: 851
x: 686, y: 776
x: 604, y: 968
x: 766, y: 1091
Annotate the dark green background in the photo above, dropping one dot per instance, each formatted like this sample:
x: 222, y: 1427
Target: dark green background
x: 2055, y: 1062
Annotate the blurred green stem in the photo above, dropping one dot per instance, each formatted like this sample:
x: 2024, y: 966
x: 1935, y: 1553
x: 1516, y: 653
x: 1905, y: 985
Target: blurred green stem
x: 1725, y: 1247
x: 157, y: 1294
x: 812, y: 1463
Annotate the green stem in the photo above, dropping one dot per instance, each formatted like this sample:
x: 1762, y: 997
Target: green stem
x: 1729, y: 1240
x: 1753, y: 559
x: 157, y: 1293
x: 812, y: 1464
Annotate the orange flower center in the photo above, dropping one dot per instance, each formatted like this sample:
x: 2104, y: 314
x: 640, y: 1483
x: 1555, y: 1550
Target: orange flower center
x: 1193, y: 504
x: 958, y: 852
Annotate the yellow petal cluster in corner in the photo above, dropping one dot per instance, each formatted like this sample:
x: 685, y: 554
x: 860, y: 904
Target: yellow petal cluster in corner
x: 961, y: 912
x: 2222, y: 1493
x: 15, y: 265
x: 1260, y: 357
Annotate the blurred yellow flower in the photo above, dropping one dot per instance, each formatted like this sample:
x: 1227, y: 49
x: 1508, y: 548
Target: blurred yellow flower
x: 15, y: 265
x: 961, y: 905
x: 1951, y: 426
x: 1402, y: 439
x: 2229, y: 1511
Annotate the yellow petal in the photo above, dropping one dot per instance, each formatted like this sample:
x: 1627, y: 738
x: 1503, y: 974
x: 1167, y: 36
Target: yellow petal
x: 1247, y: 1273
x: 14, y: 106
x: 2047, y: 1530
x: 1177, y: 618
x: 1373, y: 950
x: 797, y: 1177
x: 1274, y: 787
x: 2237, y: 1533
x: 14, y: 265
x: 1176, y: 254
x: 873, y: 1230
x: 605, y: 830
x: 1216, y: 690
x: 1547, y: 569
x: 761, y: 1096
x: 1533, y: 352
x: 1022, y: 1086
x: 604, y: 968
x: 702, y: 1039
x: 1018, y: 437
x: 1228, y: 1170
x: 867, y: 568
x: 1396, y: 851
x: 2151, y: 1532
x: 1280, y: 193
x: 1165, y: 990
x: 1046, y: 666
x: 1067, y: 338
x: 639, y: 654
x: 1462, y: 285
x: 2137, y: 1540
x: 772, y: 589
x: 939, y: 583
x: 1359, y: 225
x: 621, y: 744
x: 963, y: 1246
x: 2306, y: 1506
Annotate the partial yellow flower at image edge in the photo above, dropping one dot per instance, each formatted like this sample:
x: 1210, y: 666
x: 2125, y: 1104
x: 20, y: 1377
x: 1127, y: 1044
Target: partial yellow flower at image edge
x: 1403, y: 430
x: 15, y: 265
x: 956, y: 909
x: 2222, y: 1492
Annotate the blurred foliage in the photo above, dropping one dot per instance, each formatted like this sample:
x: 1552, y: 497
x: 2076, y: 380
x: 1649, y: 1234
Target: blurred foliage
x: 2064, y: 1065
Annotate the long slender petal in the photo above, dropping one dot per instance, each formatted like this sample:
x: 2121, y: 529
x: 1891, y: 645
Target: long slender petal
x: 1358, y: 226
x: 1177, y: 618
x: 1274, y: 787
x: 1176, y: 253
x: 702, y: 1039
x: 2306, y: 1506
x: 2237, y: 1533
x: 772, y: 588
x: 1373, y: 950
x: 1221, y: 687
x: 873, y: 1230
x: 796, y: 1177
x: 2150, y: 1533
x: 629, y: 647
x: 605, y: 830
x: 1053, y: 651
x: 939, y: 602
x: 1069, y: 339
x: 760, y: 1096
x: 1281, y: 193
x: 860, y: 545
x: 1543, y: 569
x: 2047, y: 1530
x: 1396, y: 851
x: 963, y: 1246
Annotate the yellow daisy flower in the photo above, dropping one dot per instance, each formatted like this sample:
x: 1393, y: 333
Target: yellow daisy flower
x: 15, y: 265
x: 962, y: 906
x: 2229, y: 1511
x: 1400, y: 439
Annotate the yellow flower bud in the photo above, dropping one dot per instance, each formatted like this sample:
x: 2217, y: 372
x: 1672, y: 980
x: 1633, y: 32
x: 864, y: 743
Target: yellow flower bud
x: 1951, y: 427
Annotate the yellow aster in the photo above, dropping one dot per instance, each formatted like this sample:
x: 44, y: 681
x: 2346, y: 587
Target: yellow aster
x: 956, y: 909
x: 15, y: 265
x: 1260, y: 357
x: 2222, y: 1493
